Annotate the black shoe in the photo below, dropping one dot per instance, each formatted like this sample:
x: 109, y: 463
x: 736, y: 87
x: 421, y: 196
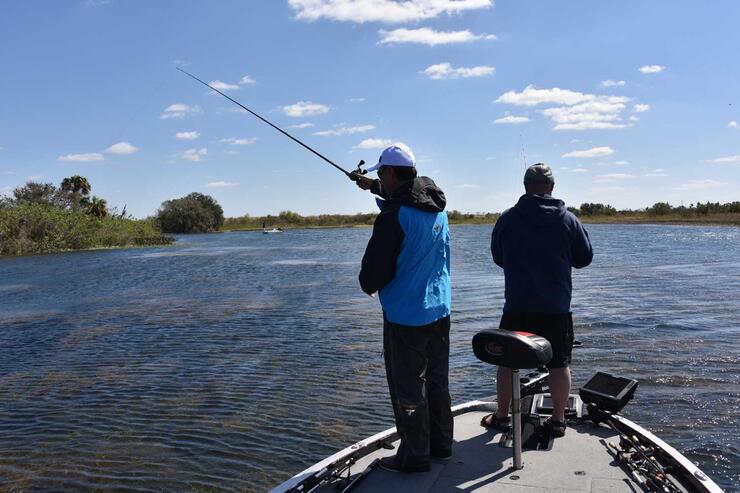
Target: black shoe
x: 557, y: 428
x: 389, y: 464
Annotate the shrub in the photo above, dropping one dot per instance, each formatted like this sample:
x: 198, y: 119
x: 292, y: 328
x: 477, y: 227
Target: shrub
x: 38, y: 228
x: 195, y: 213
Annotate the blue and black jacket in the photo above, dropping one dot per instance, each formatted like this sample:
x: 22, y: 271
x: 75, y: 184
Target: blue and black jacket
x: 537, y: 242
x: 407, y: 259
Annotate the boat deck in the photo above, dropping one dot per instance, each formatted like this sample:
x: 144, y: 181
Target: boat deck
x: 579, y: 461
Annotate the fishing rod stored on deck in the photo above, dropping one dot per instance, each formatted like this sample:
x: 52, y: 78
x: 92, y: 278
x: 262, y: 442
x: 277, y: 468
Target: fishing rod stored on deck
x: 352, y: 175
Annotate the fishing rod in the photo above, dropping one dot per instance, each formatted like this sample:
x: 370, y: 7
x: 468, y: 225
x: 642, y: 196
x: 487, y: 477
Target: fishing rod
x: 353, y: 175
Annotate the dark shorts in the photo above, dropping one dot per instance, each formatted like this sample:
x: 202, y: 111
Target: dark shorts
x: 557, y: 328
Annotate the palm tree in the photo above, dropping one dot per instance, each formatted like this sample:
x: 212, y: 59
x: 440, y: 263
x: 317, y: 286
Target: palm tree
x: 97, y: 207
x: 77, y: 187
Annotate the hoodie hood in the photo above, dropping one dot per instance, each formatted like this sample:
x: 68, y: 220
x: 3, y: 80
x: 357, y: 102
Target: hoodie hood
x: 540, y: 209
x: 421, y: 193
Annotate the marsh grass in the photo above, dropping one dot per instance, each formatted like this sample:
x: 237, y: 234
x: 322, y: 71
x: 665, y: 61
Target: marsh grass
x: 35, y: 228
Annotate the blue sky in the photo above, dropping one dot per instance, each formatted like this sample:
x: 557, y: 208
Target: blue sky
x: 630, y: 102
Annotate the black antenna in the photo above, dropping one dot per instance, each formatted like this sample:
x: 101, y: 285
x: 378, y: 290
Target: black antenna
x: 351, y: 176
x: 524, y: 156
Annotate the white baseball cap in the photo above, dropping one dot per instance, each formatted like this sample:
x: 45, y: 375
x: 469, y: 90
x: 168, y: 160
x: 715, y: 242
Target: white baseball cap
x: 399, y: 154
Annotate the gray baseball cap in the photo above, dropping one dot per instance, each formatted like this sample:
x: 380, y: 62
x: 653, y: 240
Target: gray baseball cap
x: 538, y: 174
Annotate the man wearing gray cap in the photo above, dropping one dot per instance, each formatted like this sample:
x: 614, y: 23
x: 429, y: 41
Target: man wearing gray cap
x: 537, y: 242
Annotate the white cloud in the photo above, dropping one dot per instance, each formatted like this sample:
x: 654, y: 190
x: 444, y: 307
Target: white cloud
x: 122, y: 148
x: 374, y: 144
x: 633, y: 118
x: 734, y: 159
x: 531, y: 96
x: 356, y: 100
x: 247, y: 80
x: 178, y: 110
x: 430, y: 37
x: 732, y: 124
x: 447, y: 71
x: 35, y: 178
x: 575, y: 110
x: 588, y: 153
x: 612, y: 83
x: 580, y: 170
x: 641, y: 108
x: 346, y: 130
x: 304, y: 108
x: 194, y: 154
x: 231, y: 152
x: 388, y: 11
x: 222, y: 184
x: 468, y: 185
x: 621, y: 163
x: 702, y: 184
x: 511, y: 119
x: 239, y: 142
x: 658, y: 172
x: 187, y: 135
x: 610, y: 177
x: 651, y: 69
x: 598, y: 114
x: 222, y: 86
x: 82, y: 158
x: 302, y: 125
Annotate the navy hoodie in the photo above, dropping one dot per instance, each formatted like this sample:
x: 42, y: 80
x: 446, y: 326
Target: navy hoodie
x: 537, y: 242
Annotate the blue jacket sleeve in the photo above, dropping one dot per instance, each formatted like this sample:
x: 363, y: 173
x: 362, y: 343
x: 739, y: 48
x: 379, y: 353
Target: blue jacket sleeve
x: 381, y: 254
x: 581, y: 249
x: 496, y: 247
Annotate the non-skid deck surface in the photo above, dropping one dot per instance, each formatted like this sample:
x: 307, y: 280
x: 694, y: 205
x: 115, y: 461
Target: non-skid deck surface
x: 580, y: 461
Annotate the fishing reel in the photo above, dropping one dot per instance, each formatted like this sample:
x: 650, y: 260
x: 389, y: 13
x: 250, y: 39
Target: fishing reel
x: 355, y: 174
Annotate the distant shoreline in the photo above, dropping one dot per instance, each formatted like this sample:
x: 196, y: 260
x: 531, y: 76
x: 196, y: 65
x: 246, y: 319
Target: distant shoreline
x: 721, y: 219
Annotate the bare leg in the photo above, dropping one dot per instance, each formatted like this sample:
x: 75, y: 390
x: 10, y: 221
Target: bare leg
x: 559, y: 379
x: 503, y: 391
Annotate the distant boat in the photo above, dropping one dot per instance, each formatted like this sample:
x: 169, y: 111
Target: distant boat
x: 273, y: 230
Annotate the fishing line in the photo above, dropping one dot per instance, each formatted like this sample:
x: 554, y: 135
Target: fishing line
x: 351, y: 175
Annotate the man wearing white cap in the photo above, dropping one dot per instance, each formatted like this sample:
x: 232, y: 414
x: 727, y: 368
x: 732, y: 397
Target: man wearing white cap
x: 407, y: 261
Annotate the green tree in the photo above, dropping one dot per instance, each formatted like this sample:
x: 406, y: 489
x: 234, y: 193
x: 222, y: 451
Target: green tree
x: 194, y: 213
x: 97, y: 207
x: 659, y: 209
x: 290, y: 217
x: 37, y: 193
x: 77, y: 187
x: 589, y: 209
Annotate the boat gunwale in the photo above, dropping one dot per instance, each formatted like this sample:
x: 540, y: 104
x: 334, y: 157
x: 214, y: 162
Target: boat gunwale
x: 689, y: 471
x: 692, y: 472
x: 363, y: 448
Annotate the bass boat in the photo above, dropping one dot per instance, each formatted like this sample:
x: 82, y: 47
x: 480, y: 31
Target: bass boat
x: 601, y: 451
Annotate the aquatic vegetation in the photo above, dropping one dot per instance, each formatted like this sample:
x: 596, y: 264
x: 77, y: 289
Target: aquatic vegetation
x: 37, y: 228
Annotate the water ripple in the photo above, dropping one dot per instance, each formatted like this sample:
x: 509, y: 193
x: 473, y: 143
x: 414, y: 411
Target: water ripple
x: 231, y: 361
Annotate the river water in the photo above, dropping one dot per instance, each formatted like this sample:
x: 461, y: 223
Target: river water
x: 229, y: 362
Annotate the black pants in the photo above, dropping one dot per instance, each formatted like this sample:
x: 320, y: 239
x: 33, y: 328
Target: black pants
x: 557, y: 328
x: 417, y: 367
